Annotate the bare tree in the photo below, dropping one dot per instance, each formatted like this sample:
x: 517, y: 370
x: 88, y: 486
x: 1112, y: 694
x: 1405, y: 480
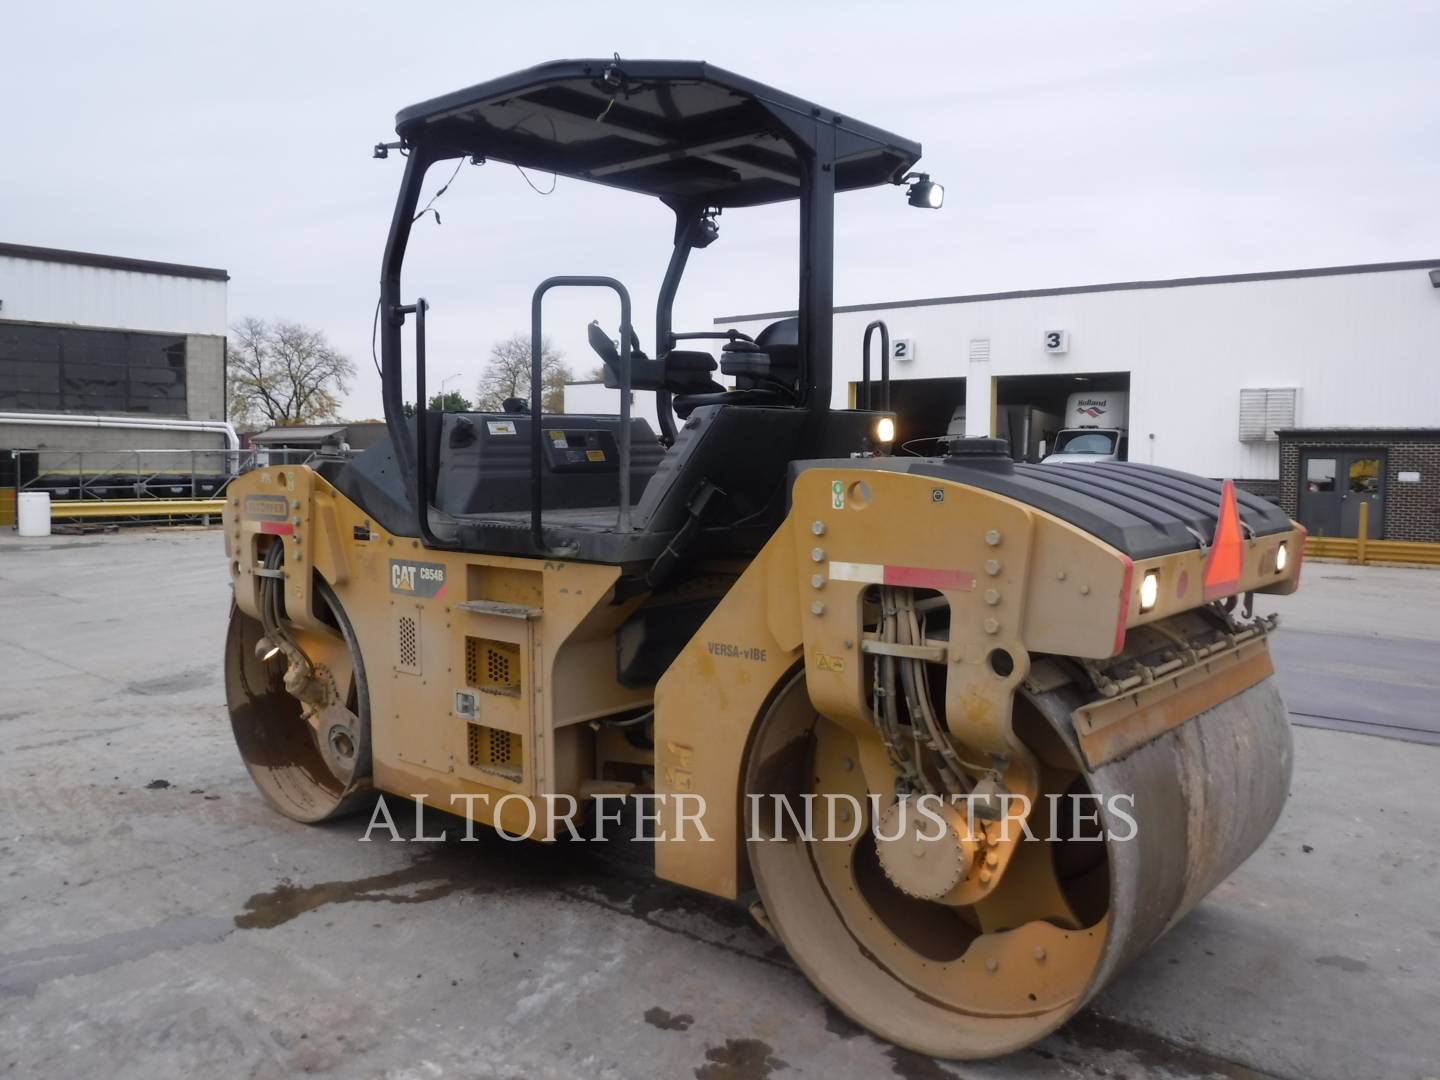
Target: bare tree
x: 507, y: 375
x: 285, y: 373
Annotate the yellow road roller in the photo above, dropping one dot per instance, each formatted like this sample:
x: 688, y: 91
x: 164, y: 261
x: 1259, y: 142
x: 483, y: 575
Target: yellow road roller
x: 966, y: 734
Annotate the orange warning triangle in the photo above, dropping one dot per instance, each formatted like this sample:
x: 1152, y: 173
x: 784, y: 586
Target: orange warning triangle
x: 1227, y: 551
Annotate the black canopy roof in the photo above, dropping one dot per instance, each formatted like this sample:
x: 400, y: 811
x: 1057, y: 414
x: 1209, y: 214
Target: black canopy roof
x: 680, y: 130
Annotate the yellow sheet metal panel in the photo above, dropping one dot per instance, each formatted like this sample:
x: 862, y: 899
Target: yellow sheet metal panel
x: 416, y: 612
x: 705, y: 706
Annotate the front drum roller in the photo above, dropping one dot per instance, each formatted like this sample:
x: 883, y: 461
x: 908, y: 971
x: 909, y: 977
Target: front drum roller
x: 279, y: 747
x: 1069, y: 912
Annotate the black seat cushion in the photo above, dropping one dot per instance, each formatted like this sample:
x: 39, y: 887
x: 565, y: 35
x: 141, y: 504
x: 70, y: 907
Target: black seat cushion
x: 685, y: 404
x: 687, y: 361
x: 773, y: 358
x: 688, y: 372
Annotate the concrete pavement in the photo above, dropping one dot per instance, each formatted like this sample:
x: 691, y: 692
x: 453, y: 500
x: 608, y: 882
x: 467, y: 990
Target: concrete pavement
x: 1359, y: 650
x: 156, y: 919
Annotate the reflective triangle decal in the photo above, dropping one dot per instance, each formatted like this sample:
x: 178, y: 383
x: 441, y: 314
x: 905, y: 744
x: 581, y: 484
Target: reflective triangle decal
x: 1227, y: 550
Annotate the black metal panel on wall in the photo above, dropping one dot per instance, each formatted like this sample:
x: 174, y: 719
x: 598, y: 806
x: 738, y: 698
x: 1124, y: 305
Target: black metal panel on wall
x: 47, y: 368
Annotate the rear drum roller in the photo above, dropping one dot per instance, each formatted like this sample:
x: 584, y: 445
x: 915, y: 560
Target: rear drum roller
x: 1068, y: 912
x: 278, y: 744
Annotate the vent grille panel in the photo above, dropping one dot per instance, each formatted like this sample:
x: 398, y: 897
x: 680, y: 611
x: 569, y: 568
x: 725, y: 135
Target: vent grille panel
x: 494, y: 751
x: 1264, y: 410
x: 408, y: 630
x: 493, y: 667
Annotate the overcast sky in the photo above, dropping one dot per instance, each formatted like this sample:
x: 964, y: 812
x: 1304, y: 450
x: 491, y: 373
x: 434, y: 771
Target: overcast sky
x: 1078, y: 142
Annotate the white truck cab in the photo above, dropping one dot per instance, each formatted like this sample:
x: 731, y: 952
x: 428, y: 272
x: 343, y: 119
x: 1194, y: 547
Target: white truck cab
x: 1098, y: 429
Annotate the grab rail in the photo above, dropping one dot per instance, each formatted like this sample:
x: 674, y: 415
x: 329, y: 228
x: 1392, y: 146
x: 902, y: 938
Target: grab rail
x: 866, y: 402
x: 537, y: 399
x: 422, y: 433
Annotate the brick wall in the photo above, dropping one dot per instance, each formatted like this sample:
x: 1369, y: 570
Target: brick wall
x: 1266, y: 489
x: 1412, y: 511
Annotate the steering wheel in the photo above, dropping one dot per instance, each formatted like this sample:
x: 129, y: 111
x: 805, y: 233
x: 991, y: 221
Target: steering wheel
x: 605, y: 348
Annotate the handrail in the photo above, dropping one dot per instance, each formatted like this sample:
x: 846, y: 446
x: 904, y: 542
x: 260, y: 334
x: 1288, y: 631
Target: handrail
x: 866, y: 402
x: 134, y: 508
x: 133, y: 470
x: 422, y: 433
x: 537, y: 398
x: 138, y: 423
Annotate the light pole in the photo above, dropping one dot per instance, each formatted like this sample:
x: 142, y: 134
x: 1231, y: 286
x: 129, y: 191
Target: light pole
x: 445, y: 380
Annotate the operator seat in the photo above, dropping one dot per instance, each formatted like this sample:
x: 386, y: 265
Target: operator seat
x: 765, y: 370
x: 743, y: 452
x: 679, y: 371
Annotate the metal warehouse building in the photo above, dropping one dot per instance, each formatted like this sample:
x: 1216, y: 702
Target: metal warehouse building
x: 1339, y: 362
x: 106, y: 353
x: 102, y: 357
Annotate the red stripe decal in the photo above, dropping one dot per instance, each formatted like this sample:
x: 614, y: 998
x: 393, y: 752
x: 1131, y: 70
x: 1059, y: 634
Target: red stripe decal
x: 1125, y: 583
x: 920, y: 577
x: 277, y: 528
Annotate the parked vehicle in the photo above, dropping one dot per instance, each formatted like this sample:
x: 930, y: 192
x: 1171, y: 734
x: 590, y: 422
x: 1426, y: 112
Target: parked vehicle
x: 1098, y: 429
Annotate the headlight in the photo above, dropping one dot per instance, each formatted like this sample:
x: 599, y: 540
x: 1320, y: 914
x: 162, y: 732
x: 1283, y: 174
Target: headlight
x: 924, y: 192
x: 1281, y: 558
x: 885, y: 430
x: 1149, y: 590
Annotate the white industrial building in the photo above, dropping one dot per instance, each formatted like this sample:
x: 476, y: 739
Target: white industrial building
x: 1316, y: 388
x: 1213, y: 365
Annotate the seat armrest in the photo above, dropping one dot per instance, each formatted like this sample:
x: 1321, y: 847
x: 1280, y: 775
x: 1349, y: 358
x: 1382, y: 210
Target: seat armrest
x: 645, y: 374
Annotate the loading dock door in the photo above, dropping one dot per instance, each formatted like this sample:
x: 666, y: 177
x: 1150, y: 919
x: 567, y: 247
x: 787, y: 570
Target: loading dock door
x: 1334, y: 484
x: 924, y: 410
x: 1031, y: 410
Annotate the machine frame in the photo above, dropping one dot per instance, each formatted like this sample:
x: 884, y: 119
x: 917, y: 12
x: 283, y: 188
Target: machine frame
x: 860, y: 623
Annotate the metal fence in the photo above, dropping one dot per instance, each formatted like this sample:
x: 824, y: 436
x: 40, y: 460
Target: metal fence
x: 1361, y: 549
x: 1369, y: 552
x: 108, y: 475
x: 120, y: 487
